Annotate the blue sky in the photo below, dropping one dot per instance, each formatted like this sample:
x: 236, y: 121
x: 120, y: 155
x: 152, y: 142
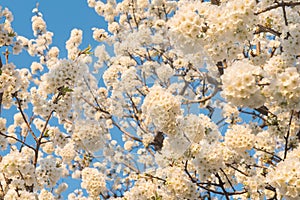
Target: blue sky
x: 61, y: 17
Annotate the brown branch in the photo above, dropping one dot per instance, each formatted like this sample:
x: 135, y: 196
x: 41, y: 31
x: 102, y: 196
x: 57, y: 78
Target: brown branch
x: 155, y: 177
x: 215, y: 2
x: 186, y: 84
x: 277, y: 5
x: 264, y: 29
x: 232, y: 187
x: 216, y: 90
x: 125, y: 132
x: 94, y: 97
x: 221, y: 185
x: 254, y: 114
x: 284, y: 13
x: 38, y: 143
x: 201, y: 185
x: 19, y: 106
x: 17, y: 139
x: 287, y: 136
x: 229, y: 165
x: 272, y: 154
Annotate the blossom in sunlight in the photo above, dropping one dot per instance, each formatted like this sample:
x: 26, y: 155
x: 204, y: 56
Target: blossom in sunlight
x: 162, y: 109
x: 38, y: 25
x: 243, y: 89
x: 286, y: 176
x: 93, y: 181
x: 89, y: 135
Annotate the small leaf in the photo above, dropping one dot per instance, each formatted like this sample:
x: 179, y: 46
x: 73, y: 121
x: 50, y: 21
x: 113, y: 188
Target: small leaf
x: 64, y: 90
x: 87, y: 50
x: 11, y: 34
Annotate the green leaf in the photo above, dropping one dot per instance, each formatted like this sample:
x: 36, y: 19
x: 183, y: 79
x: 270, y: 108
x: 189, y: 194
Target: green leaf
x: 64, y: 90
x: 11, y: 34
x: 87, y: 51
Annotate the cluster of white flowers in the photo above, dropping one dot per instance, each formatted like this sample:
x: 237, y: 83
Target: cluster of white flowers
x: 243, y: 89
x: 46, y: 195
x: 40, y: 45
x: 112, y: 75
x: 93, y: 181
x: 239, y: 138
x: 89, y: 135
x: 73, y: 43
x: 174, y: 147
x: 129, y: 80
x: 230, y: 112
x: 290, y: 44
x: 265, y: 141
x: 64, y: 73
x: 188, y: 22
x: 143, y: 189
x: 167, y: 183
x: 284, y: 88
x: 220, y: 28
x: 178, y: 184
x: 208, y: 159
x: 162, y: 108
x: 193, y: 128
x: 67, y: 153
x: 7, y: 33
x: 11, y: 81
x: 18, y: 167
x: 229, y: 27
x: 38, y: 23
x: 48, y: 172
x: 100, y: 35
x: 13, y: 194
x: 286, y: 176
x: 164, y: 73
x: 58, y: 83
x: 57, y: 137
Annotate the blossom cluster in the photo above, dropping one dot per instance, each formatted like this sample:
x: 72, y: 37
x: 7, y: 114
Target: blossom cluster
x: 243, y: 90
x: 93, y: 181
x: 161, y: 108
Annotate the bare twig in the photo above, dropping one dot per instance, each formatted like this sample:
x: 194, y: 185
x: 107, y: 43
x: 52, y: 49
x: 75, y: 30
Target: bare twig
x: 17, y: 139
x: 288, y: 135
x: 19, y: 106
x: 277, y: 5
x: 221, y: 185
x: 263, y: 29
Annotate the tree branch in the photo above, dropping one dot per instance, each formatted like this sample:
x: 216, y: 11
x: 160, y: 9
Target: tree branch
x: 287, y: 136
x: 277, y: 5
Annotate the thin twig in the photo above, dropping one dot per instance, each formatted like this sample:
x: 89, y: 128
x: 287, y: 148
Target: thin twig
x: 17, y: 139
x: 221, y: 185
x: 288, y: 135
x: 277, y: 5
x: 125, y: 132
x: 228, y: 179
x: 24, y: 117
x: 263, y: 29
x: 188, y: 101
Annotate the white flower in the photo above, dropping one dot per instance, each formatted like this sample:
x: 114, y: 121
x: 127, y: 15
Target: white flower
x: 240, y: 85
x: 162, y: 108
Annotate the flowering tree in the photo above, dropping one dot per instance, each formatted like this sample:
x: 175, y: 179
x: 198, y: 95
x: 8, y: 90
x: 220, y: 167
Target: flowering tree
x: 201, y: 100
